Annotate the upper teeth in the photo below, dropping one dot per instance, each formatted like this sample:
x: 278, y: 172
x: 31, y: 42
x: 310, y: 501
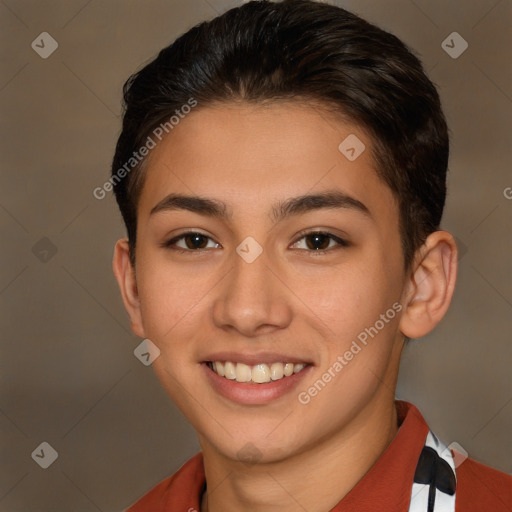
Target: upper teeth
x: 259, y: 373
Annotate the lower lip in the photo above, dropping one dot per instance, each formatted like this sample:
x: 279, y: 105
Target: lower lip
x: 251, y: 393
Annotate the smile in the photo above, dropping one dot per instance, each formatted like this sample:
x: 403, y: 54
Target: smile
x: 258, y: 373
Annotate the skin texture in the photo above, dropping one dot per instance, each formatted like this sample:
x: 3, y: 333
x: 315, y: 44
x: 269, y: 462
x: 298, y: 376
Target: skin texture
x: 290, y: 300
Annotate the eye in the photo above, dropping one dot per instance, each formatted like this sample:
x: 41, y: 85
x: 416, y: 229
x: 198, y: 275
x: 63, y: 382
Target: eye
x: 190, y: 241
x: 320, y: 242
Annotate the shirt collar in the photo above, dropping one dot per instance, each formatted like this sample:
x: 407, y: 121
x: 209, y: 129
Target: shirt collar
x: 387, y: 485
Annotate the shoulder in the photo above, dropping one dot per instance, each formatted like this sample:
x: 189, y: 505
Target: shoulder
x: 182, y: 489
x: 480, y: 487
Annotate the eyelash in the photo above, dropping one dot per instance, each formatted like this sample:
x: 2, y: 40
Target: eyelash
x: 340, y: 241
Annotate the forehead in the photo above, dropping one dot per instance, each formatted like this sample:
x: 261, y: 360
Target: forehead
x: 249, y: 156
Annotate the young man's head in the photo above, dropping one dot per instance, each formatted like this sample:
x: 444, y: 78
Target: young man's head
x: 281, y: 173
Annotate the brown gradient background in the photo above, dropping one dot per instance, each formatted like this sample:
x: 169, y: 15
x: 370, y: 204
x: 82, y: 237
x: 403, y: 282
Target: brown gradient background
x: 68, y: 373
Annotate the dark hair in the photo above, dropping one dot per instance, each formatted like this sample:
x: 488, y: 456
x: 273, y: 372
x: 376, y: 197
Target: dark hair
x: 300, y: 49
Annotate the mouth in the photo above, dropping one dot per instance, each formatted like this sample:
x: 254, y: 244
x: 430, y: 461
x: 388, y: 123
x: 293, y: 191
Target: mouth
x: 258, y: 380
x: 261, y: 373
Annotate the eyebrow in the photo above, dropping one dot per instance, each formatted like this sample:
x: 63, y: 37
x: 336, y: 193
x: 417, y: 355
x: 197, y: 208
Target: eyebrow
x: 332, y: 199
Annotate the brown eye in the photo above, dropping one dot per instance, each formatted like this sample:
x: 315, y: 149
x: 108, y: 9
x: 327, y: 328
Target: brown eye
x: 191, y: 241
x: 317, y: 241
x: 195, y: 241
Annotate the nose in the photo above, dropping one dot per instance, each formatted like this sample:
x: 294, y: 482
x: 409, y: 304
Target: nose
x: 252, y: 299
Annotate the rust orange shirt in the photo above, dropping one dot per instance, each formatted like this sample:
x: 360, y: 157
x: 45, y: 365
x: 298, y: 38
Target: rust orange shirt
x: 386, y: 487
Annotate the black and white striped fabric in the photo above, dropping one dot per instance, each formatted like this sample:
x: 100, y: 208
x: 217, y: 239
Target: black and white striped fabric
x: 434, y: 480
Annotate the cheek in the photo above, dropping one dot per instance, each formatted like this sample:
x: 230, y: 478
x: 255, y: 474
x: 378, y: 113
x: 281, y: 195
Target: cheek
x: 344, y: 298
x: 167, y: 298
x: 350, y: 303
x: 170, y: 309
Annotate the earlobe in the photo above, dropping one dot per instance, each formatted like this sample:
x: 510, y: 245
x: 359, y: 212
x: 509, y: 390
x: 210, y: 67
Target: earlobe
x: 125, y: 276
x: 431, y: 285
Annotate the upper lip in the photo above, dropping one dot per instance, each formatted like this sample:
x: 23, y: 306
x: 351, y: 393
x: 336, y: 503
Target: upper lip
x: 254, y: 359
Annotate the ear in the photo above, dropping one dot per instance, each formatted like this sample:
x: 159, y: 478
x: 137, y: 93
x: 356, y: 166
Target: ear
x: 125, y: 275
x: 431, y: 284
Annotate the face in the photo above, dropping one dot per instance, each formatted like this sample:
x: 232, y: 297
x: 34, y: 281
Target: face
x: 261, y: 280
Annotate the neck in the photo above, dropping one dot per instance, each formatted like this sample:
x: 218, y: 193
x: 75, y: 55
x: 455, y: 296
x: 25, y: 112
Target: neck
x: 314, y: 480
